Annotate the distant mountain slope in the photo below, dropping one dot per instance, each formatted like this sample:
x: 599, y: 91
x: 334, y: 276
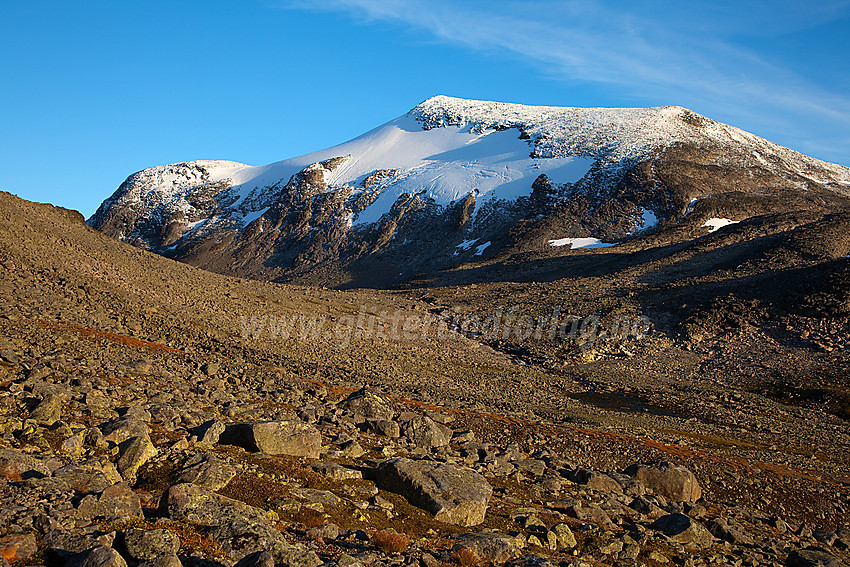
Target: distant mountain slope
x: 456, y: 180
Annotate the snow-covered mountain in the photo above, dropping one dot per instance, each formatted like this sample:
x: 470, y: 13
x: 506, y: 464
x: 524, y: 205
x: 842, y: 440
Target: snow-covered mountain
x: 451, y: 181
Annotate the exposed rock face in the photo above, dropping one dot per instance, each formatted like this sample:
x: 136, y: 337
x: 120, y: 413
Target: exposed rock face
x: 454, y: 495
x: 671, y: 481
x: 275, y: 438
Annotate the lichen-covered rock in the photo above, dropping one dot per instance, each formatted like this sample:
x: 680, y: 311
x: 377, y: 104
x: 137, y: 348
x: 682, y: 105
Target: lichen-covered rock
x: 367, y: 405
x: 425, y: 433
x: 116, y: 503
x: 673, y: 482
x: 454, y: 494
x: 682, y: 529
x: 135, y: 452
x: 194, y: 504
x: 207, y: 471
x: 124, y: 428
x: 493, y: 547
x: 275, y: 438
x: 150, y: 544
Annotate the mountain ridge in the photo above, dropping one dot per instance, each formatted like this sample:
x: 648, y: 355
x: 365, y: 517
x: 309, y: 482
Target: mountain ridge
x: 463, y: 171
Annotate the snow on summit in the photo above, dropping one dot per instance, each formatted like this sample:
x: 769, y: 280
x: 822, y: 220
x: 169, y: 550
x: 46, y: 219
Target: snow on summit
x: 443, y: 150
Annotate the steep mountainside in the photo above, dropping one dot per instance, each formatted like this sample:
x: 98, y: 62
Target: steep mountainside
x: 455, y: 181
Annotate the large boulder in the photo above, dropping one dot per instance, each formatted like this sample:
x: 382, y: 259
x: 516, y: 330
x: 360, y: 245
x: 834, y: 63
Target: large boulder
x: 673, y: 482
x: 683, y: 529
x: 492, y: 547
x: 812, y: 558
x: 367, y: 405
x: 150, y: 544
x: 207, y: 471
x: 275, y: 438
x: 116, y: 503
x: 424, y: 432
x: 192, y: 503
x: 124, y: 428
x: 135, y: 452
x: 455, y: 495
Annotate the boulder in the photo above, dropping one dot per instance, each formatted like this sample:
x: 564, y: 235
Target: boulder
x: 367, y: 405
x: 49, y: 410
x: 425, y: 433
x: 673, y: 482
x: 683, y: 529
x: 493, y: 547
x: 194, y: 504
x: 135, y: 452
x: 124, y: 428
x: 812, y: 558
x: 101, y: 556
x: 116, y: 503
x: 18, y: 547
x: 150, y: 544
x: 207, y: 471
x: 594, y: 480
x: 455, y: 495
x: 275, y: 438
x: 210, y: 432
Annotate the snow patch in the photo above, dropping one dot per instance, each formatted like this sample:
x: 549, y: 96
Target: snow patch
x: 253, y: 215
x: 575, y: 243
x: 480, y: 249
x: 464, y: 246
x: 715, y: 224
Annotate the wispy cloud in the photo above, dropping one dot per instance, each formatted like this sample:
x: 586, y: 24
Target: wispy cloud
x: 647, y: 51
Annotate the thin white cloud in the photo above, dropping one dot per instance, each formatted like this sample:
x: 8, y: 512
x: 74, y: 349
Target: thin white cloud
x: 648, y: 51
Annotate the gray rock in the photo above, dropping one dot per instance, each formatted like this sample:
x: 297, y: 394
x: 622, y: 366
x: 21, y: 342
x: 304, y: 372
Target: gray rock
x: 595, y: 480
x: 424, y: 432
x: 150, y: 544
x: 116, y: 503
x: 367, y: 405
x: 386, y: 427
x: 335, y: 471
x: 18, y: 547
x: 207, y: 471
x: 256, y: 559
x: 812, y: 558
x: 728, y: 531
x: 493, y: 547
x: 49, y: 410
x: 82, y: 478
x: 673, y: 482
x: 162, y: 561
x: 275, y: 438
x: 101, y: 556
x: 454, y: 494
x: 134, y: 453
x: 194, y: 504
x: 124, y: 428
x: 683, y: 529
x: 210, y: 432
x: 565, y: 537
x: 239, y: 539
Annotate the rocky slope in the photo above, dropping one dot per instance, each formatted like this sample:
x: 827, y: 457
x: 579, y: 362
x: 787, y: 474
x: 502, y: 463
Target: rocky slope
x: 456, y: 181
x: 140, y: 424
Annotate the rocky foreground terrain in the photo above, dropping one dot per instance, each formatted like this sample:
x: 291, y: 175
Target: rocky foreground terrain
x: 140, y: 426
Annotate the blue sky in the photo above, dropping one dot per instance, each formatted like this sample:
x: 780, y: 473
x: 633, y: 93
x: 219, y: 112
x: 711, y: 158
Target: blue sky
x: 94, y: 91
